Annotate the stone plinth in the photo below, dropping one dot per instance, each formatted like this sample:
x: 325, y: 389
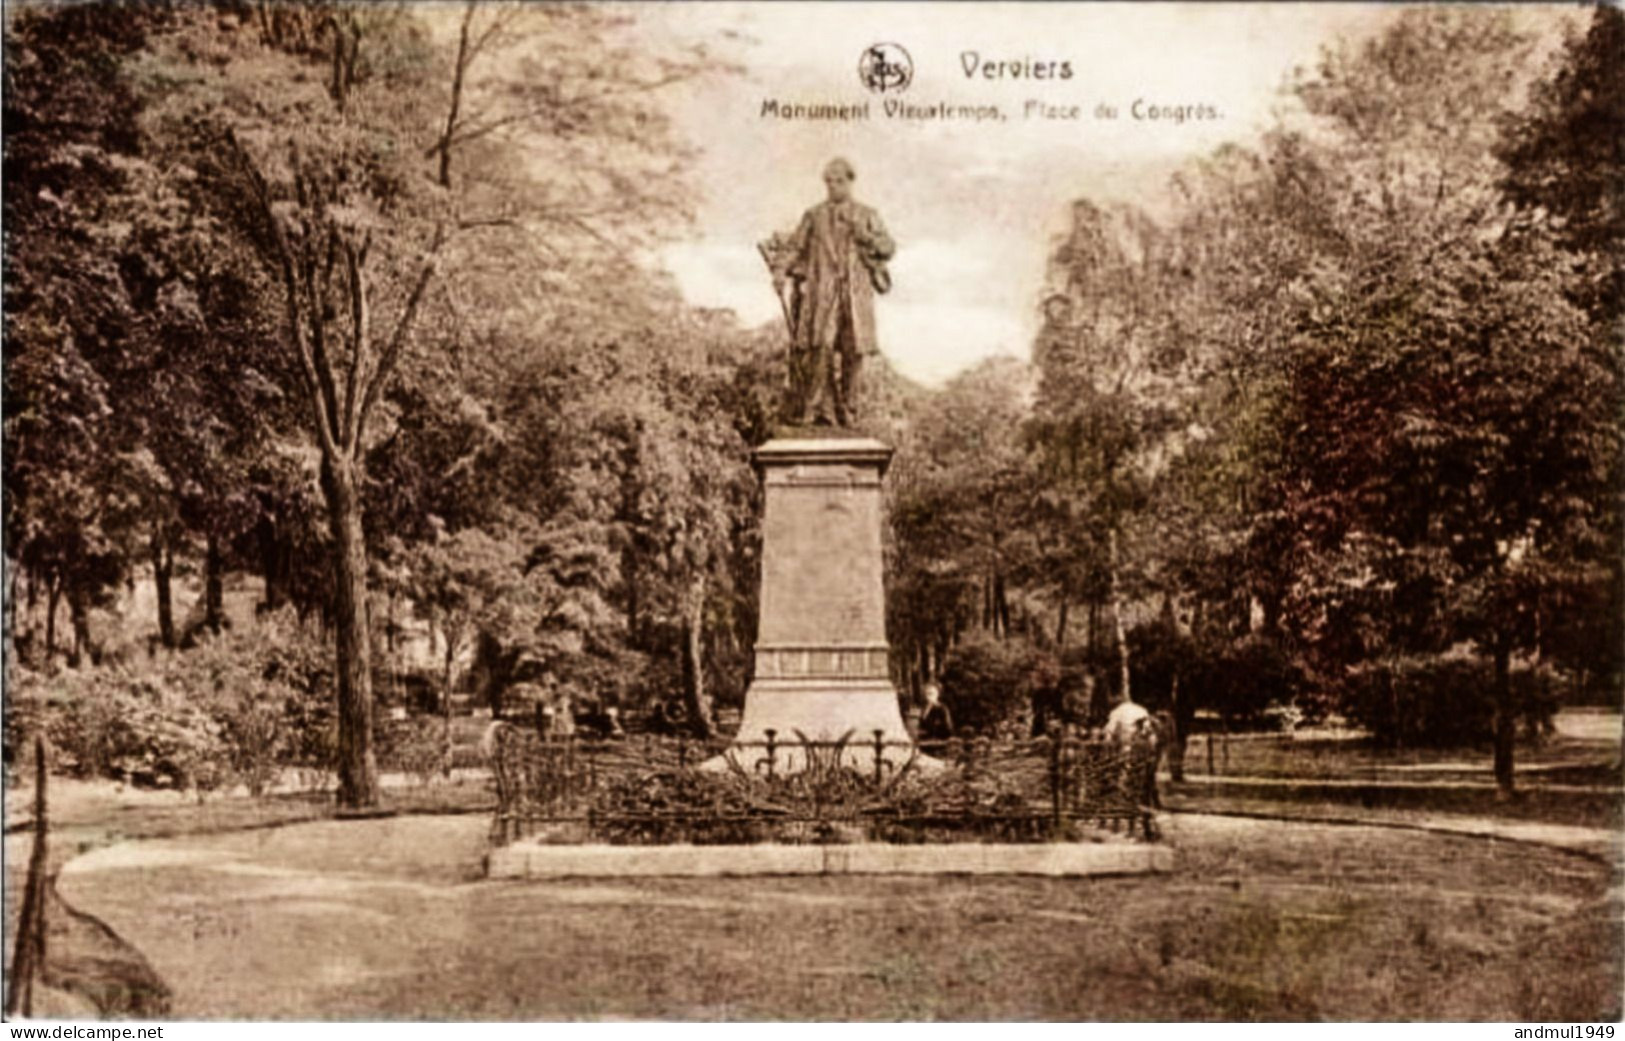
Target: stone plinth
x: 821, y: 656
x: 1060, y: 859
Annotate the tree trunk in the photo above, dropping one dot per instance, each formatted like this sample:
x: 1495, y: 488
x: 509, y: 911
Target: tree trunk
x: 53, y: 593
x: 358, y: 765
x: 79, y: 612
x: 10, y: 649
x: 273, y: 563
x: 1060, y: 626
x: 1181, y: 735
x: 445, y: 703
x: 163, y: 567
x: 1506, y: 719
x: 459, y: 70
x: 694, y: 695
x: 1117, y: 621
x: 629, y: 575
x: 1401, y: 721
x: 214, y: 599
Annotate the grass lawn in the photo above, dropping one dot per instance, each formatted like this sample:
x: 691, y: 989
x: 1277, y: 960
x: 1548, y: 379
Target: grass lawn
x: 1571, y: 778
x: 385, y: 918
x: 1312, y: 756
x: 1307, y: 799
x: 272, y: 909
x: 98, y: 966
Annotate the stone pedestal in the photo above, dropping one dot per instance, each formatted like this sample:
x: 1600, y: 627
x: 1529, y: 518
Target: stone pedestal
x: 821, y: 657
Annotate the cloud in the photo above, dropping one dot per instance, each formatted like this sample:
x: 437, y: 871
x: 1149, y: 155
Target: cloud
x: 726, y: 274
x: 931, y: 342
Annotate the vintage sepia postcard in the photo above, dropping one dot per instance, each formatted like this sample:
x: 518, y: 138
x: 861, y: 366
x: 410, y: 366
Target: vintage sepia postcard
x: 820, y: 512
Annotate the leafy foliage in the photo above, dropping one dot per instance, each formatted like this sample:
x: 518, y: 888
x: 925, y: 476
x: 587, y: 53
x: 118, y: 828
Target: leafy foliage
x: 237, y: 710
x: 1440, y: 700
x: 353, y: 297
x: 985, y: 683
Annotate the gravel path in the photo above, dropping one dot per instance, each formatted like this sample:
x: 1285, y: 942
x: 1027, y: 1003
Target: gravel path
x: 383, y: 917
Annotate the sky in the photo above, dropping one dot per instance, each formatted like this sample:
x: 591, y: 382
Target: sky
x: 973, y: 206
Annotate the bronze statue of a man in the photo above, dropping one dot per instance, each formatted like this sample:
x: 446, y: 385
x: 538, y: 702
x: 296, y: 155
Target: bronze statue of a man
x: 826, y: 275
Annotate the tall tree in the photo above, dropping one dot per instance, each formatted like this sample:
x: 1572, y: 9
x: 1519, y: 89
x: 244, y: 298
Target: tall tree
x: 314, y: 137
x: 1565, y: 157
x: 312, y: 174
x: 1447, y: 455
x: 74, y: 467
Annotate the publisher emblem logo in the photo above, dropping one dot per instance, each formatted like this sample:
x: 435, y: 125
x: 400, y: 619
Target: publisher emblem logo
x: 886, y: 68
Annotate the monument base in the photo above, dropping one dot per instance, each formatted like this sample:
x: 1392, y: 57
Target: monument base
x: 822, y: 669
x: 822, y: 712
x: 1062, y: 859
x: 829, y: 710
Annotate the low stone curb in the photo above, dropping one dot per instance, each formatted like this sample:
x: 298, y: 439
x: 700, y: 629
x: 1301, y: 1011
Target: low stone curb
x: 535, y: 860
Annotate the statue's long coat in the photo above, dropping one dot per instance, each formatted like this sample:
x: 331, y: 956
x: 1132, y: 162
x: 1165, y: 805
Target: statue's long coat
x: 829, y: 266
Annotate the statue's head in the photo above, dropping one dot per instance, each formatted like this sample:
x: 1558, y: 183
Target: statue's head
x: 838, y: 178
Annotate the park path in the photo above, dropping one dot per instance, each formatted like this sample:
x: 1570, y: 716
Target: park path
x: 260, y: 924
x: 1525, y: 779
x: 278, y: 922
x: 1601, y: 843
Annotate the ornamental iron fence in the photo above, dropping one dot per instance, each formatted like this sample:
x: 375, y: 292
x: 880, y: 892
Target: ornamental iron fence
x: 647, y: 789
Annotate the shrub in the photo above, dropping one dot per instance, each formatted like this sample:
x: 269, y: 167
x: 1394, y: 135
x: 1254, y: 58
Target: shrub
x: 236, y: 708
x: 111, y: 722
x: 416, y: 746
x: 676, y: 806
x: 1243, y: 678
x: 661, y: 807
x: 268, y: 687
x: 985, y: 682
x: 1441, y: 700
x: 958, y: 805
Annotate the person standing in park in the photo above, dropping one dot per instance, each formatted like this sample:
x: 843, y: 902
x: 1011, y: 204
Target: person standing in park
x: 1138, y: 736
x: 827, y: 274
x: 1044, y: 692
x: 936, y: 722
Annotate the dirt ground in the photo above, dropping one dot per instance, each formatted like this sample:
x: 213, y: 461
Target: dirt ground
x: 388, y: 919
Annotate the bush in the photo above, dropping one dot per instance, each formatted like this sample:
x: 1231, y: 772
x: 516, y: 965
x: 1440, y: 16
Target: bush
x: 110, y: 722
x: 1243, y: 678
x: 690, y: 806
x: 235, y: 709
x: 1441, y: 700
x: 985, y: 683
x: 268, y: 688
x: 676, y: 806
x: 416, y: 746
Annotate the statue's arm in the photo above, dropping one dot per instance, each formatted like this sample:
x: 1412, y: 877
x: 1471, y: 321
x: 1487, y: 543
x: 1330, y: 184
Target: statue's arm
x: 880, y: 240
